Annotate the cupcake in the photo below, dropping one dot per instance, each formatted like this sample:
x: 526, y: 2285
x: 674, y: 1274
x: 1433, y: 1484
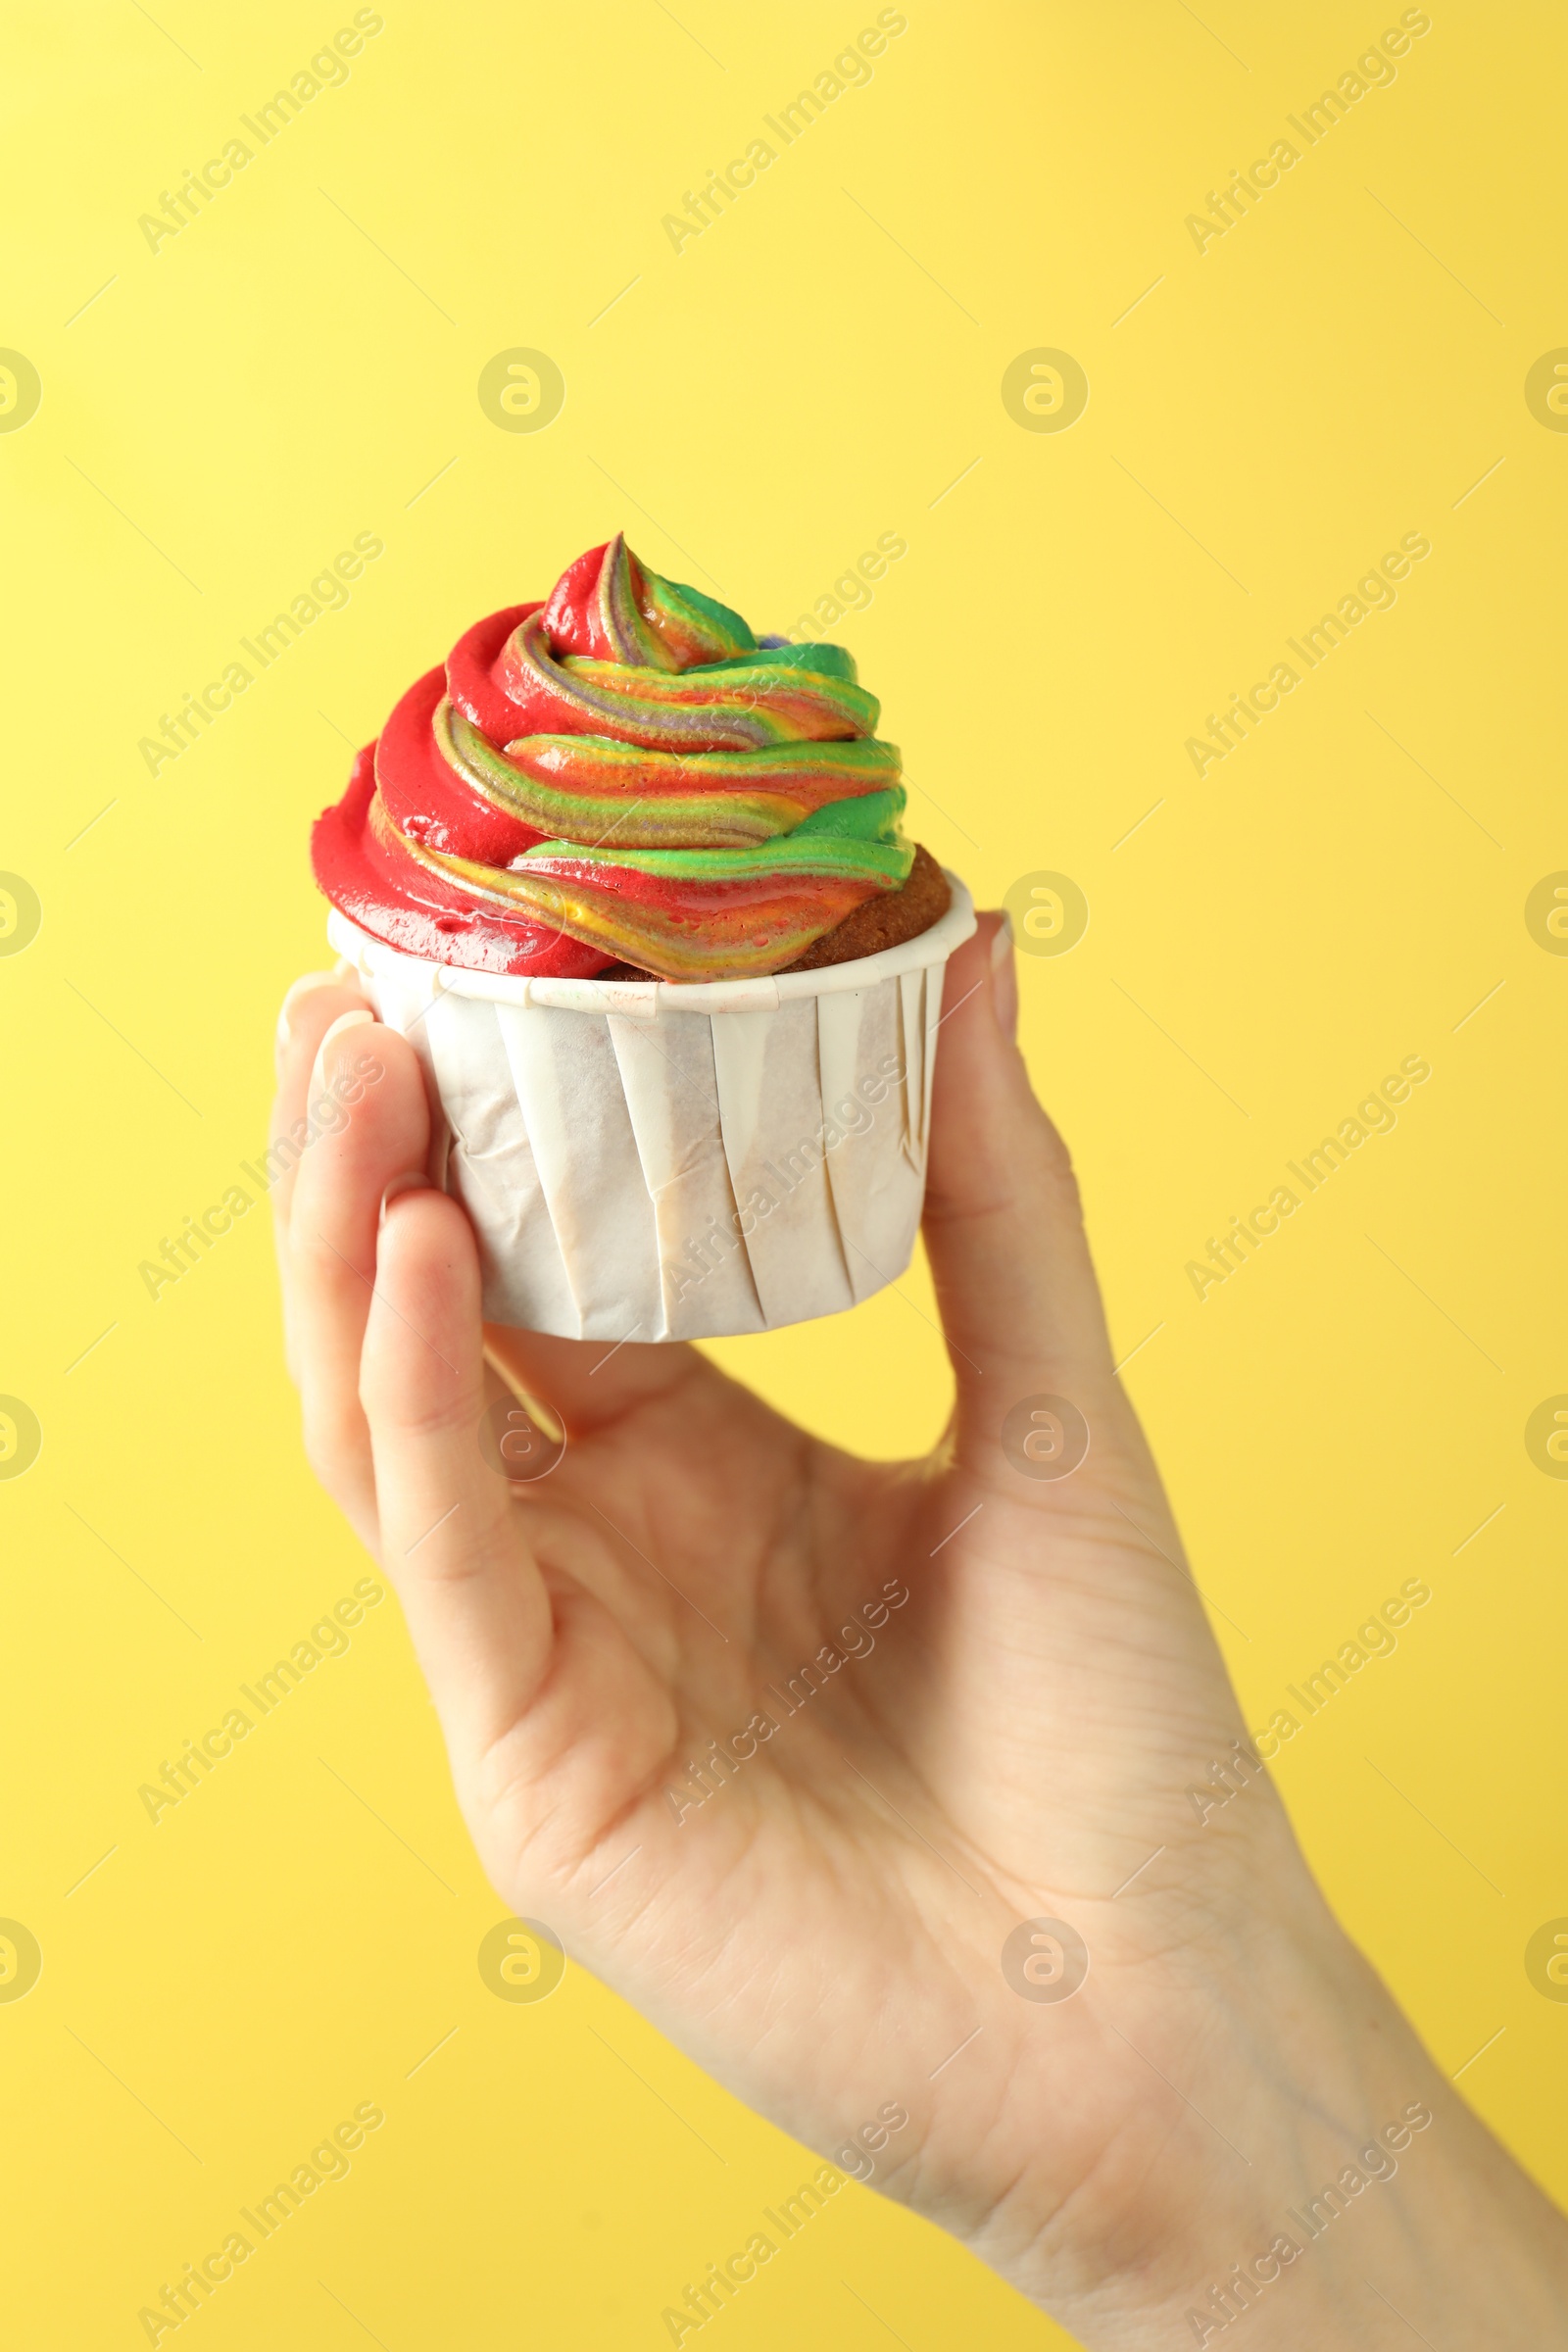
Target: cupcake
x: 632, y: 881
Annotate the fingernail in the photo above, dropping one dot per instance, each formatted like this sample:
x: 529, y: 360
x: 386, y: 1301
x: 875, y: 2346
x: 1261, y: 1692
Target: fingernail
x: 345, y: 1020
x: 415, y: 1181
x: 286, y: 1011
x: 1004, y: 979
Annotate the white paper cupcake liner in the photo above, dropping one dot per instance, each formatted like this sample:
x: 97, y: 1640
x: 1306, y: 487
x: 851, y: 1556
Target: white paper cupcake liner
x: 649, y: 1161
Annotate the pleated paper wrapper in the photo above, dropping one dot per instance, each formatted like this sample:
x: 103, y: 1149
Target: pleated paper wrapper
x: 647, y: 1161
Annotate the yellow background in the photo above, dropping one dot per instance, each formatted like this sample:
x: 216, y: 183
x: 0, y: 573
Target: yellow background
x: 297, y: 365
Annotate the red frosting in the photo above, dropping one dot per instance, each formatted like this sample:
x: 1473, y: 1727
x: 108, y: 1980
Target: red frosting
x: 661, y: 703
x: 375, y: 881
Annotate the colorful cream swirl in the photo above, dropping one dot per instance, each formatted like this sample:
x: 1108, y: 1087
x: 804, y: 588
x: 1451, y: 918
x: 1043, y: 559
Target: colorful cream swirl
x: 626, y: 774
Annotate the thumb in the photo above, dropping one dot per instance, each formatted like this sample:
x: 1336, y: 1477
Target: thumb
x: 1003, y: 1228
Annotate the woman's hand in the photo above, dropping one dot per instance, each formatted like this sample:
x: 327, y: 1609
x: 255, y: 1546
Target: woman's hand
x: 951, y: 1698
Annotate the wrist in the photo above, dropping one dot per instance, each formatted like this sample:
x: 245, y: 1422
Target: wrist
x: 1295, y: 2163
